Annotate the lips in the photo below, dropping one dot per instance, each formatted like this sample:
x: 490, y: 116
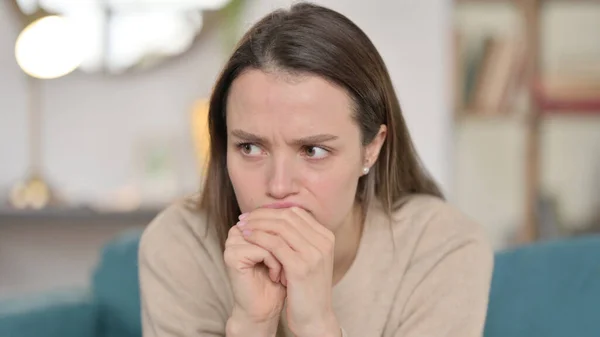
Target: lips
x: 278, y: 205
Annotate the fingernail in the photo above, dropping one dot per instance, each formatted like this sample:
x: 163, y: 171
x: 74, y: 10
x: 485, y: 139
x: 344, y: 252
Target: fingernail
x: 241, y: 223
x: 242, y: 216
x: 246, y: 232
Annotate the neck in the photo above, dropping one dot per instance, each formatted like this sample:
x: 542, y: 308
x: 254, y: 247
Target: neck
x: 347, y: 240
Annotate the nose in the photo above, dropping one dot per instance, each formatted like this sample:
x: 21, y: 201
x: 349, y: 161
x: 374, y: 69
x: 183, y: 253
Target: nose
x: 282, y: 178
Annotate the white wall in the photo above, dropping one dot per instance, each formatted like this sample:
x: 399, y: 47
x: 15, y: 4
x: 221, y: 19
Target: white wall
x: 91, y: 122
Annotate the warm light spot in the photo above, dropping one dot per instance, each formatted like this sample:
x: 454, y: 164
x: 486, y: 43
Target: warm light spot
x: 48, y: 48
x: 200, y: 132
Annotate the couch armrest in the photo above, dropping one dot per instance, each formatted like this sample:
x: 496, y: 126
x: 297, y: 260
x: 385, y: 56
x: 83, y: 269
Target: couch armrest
x: 69, y: 313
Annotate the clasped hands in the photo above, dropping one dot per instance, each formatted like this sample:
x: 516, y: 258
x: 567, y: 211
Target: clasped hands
x: 278, y: 254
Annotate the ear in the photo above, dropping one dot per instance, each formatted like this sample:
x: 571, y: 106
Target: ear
x: 374, y: 147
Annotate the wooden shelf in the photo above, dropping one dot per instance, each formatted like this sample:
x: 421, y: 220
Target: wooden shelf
x: 75, y: 214
x: 488, y: 114
x: 475, y: 118
x: 570, y: 114
x: 521, y: 1
x: 522, y: 117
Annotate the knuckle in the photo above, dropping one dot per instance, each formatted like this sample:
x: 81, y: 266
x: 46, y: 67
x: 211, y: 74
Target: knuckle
x: 329, y: 251
x: 279, y: 246
x: 330, y: 237
x: 232, y: 231
x: 229, y: 256
x: 233, y: 239
x: 316, y: 257
x: 330, y: 246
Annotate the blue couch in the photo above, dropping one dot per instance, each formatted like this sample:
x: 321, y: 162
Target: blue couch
x: 110, y: 308
x: 546, y: 289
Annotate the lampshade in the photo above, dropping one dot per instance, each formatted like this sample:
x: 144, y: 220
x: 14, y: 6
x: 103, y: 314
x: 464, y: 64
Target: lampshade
x: 48, y: 48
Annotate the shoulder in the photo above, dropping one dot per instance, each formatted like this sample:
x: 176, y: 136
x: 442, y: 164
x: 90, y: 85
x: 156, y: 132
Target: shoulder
x: 181, y: 226
x: 437, y: 217
x: 438, y: 228
x: 446, y: 270
x: 181, y: 273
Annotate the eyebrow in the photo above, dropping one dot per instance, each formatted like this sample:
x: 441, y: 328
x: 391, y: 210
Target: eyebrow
x: 252, y: 138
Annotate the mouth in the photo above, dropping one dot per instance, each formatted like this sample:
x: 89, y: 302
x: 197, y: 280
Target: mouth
x: 279, y: 205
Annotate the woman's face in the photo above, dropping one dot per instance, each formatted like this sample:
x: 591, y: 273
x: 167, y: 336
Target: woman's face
x: 292, y: 141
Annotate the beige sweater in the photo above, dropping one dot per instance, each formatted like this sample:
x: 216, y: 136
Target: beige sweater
x: 427, y: 273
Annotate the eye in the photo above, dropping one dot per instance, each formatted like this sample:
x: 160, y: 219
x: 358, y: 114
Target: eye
x: 249, y: 149
x: 315, y: 152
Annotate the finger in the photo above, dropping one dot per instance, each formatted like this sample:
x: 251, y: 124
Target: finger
x: 236, y: 241
x: 291, y: 219
x: 234, y: 237
x: 281, y: 228
x: 311, y: 229
x: 313, y: 223
x: 275, y: 268
x: 324, y: 244
x: 247, y: 255
x: 276, y: 246
x: 283, y: 278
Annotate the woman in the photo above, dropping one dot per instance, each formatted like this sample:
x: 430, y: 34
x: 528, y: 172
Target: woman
x: 315, y: 218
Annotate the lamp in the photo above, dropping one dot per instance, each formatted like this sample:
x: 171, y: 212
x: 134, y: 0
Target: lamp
x: 47, y: 48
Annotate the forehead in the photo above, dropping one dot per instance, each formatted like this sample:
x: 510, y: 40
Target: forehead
x: 296, y: 102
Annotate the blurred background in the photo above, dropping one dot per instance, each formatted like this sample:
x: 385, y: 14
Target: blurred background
x: 102, y: 107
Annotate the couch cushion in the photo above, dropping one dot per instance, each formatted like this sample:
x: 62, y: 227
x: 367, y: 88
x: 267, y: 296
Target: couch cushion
x: 546, y: 289
x: 116, y: 289
x: 60, y: 313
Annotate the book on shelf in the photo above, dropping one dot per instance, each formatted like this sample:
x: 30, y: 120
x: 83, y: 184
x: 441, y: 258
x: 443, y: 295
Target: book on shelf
x: 490, y: 79
x: 568, y: 92
x: 489, y: 73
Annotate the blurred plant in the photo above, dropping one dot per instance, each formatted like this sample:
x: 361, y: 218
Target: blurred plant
x: 231, y: 13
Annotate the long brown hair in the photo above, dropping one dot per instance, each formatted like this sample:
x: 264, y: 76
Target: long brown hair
x: 310, y: 39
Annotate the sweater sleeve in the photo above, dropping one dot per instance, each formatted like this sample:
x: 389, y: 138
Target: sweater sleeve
x: 179, y: 290
x: 449, y: 279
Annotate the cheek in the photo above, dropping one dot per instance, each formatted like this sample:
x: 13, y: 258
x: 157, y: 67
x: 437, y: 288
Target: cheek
x: 245, y: 184
x: 335, y: 193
